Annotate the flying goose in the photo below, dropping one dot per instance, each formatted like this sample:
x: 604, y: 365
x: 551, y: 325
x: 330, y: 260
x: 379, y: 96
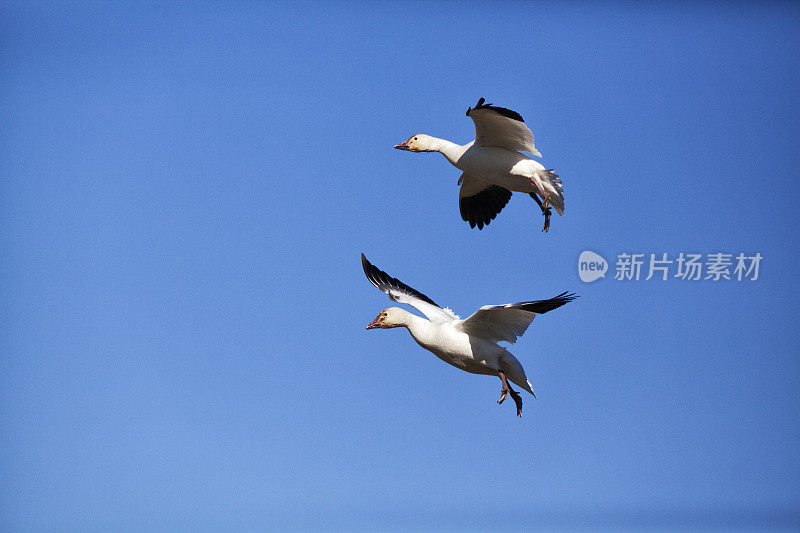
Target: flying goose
x: 492, y: 165
x: 469, y: 344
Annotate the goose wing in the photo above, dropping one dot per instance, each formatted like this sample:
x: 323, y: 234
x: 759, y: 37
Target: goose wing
x: 402, y: 293
x: 502, y: 128
x: 509, y: 321
x: 480, y: 202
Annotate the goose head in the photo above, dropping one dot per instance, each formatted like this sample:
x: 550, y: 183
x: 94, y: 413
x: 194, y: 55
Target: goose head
x: 419, y: 143
x: 392, y: 317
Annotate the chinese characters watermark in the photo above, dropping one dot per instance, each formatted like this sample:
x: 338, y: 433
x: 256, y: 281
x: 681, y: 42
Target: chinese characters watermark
x: 683, y: 266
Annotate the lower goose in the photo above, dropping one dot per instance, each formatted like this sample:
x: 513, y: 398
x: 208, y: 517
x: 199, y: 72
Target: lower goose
x: 469, y: 344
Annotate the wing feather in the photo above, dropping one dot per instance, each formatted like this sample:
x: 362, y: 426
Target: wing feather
x: 402, y: 293
x: 509, y: 321
x: 480, y: 202
x: 501, y: 127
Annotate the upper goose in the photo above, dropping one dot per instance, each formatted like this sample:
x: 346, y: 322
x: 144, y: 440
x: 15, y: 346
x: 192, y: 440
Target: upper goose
x: 469, y: 344
x: 493, y: 167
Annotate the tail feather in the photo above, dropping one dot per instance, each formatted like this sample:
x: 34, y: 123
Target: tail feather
x: 530, y: 388
x: 553, y: 184
x: 514, y: 371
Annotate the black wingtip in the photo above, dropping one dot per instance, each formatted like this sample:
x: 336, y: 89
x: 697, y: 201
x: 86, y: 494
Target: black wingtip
x: 481, y: 208
x: 481, y: 100
x: 543, y: 306
x: 369, y: 269
x: 565, y: 297
x: 508, y: 113
x: 384, y: 281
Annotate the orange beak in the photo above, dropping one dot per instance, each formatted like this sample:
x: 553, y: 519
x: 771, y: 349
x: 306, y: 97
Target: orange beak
x: 375, y: 323
x: 402, y: 145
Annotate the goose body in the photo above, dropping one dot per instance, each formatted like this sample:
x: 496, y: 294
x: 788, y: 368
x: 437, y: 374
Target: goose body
x: 468, y: 344
x: 493, y: 167
x: 458, y: 348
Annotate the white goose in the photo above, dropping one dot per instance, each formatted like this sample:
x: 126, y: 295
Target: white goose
x: 469, y: 344
x: 492, y: 165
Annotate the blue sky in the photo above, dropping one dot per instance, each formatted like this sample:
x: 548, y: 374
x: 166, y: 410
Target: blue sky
x: 185, y: 192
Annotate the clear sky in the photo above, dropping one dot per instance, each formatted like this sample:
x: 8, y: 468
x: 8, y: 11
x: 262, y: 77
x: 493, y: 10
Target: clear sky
x: 185, y: 191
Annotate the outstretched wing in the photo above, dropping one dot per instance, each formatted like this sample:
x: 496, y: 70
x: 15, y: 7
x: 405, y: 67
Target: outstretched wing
x: 509, y: 321
x: 479, y: 202
x: 501, y: 127
x: 402, y: 293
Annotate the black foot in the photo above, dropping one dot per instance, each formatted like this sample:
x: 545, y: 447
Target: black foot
x: 545, y: 211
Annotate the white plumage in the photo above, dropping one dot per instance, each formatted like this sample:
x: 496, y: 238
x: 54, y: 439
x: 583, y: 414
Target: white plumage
x: 469, y: 344
x: 493, y: 166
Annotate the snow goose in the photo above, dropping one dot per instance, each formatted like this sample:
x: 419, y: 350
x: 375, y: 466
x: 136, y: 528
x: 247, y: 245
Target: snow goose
x: 469, y: 344
x: 492, y: 165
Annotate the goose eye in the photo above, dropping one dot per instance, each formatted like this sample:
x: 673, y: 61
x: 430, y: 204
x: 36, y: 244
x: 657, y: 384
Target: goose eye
x: 415, y: 138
